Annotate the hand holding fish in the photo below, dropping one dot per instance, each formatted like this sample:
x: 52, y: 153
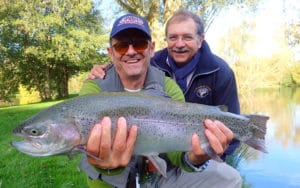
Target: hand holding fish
x: 219, y: 137
x: 113, y: 153
x: 98, y: 71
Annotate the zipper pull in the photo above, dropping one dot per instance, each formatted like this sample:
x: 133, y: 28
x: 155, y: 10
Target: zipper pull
x: 137, y: 180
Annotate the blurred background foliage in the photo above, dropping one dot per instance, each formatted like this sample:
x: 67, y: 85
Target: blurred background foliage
x: 46, y: 47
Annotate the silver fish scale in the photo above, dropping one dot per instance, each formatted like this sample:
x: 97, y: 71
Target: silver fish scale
x: 140, y: 107
x: 164, y: 125
x: 158, y: 122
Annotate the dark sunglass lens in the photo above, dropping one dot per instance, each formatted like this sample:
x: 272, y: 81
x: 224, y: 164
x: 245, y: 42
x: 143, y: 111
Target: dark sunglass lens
x: 140, y: 45
x: 121, y: 47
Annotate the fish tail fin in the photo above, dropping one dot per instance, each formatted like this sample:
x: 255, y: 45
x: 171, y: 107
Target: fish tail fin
x: 260, y: 123
x: 257, y: 141
x: 258, y: 144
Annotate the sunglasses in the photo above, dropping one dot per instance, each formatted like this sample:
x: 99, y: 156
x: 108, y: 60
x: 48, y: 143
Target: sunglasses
x: 139, y: 46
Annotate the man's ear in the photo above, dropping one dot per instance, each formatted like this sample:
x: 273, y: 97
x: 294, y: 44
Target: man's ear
x: 110, y: 53
x: 152, y: 48
x: 200, y: 40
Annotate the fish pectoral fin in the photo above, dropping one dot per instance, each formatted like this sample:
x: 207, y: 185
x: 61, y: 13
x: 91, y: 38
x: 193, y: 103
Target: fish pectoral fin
x: 159, y: 164
x: 210, y: 152
x: 82, y: 150
x: 70, y: 157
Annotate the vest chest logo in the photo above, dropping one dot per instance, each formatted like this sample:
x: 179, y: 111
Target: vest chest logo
x: 202, y: 91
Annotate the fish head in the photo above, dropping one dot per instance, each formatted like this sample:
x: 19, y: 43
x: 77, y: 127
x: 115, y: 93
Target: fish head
x: 46, y: 138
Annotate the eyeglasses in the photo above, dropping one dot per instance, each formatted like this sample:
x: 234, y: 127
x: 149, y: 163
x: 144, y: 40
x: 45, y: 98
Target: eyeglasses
x: 139, y: 46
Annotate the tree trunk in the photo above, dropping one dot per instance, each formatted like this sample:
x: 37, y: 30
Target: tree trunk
x: 62, y: 83
x: 65, y: 82
x: 47, y: 87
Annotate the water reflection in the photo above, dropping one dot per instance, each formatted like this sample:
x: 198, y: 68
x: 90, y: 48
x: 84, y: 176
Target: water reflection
x: 281, y: 166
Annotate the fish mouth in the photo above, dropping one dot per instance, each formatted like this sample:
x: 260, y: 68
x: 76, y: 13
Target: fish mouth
x: 36, y: 145
x: 30, y: 148
x: 26, y: 142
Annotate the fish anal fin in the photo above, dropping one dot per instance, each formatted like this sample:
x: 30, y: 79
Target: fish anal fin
x: 159, y: 164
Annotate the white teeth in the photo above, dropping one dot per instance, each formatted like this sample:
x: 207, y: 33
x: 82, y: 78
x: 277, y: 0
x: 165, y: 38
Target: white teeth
x: 132, y: 61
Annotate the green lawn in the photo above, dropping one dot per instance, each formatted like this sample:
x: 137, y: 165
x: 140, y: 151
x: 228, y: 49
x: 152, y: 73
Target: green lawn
x: 20, y: 170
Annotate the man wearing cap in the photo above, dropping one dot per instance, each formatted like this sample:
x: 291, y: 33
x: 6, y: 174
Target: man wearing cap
x: 203, y: 77
x: 130, y: 51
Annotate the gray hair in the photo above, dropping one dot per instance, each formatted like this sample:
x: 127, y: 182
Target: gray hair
x: 183, y: 15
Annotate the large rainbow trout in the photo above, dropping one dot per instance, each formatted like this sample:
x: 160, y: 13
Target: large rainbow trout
x: 164, y: 125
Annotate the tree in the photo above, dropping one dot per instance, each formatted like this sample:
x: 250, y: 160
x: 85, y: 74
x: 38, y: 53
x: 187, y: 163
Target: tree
x: 292, y: 33
x: 255, y: 63
x: 43, y: 43
x: 158, y: 12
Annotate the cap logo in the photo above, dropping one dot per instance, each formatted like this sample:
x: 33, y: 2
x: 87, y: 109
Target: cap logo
x: 131, y: 20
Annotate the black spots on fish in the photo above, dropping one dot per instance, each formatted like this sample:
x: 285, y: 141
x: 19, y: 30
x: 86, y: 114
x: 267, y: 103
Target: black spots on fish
x: 158, y: 133
x: 126, y: 112
x: 259, y: 123
x: 180, y: 117
x: 88, y: 121
x: 62, y: 108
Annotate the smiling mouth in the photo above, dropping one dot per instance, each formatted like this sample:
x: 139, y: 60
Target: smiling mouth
x: 132, y: 61
x: 180, y: 51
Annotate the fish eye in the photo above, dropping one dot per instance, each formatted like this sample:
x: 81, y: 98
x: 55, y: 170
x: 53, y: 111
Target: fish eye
x: 33, y: 132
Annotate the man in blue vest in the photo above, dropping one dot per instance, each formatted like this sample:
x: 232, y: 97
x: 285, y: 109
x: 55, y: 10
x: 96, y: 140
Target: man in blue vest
x: 203, y: 77
x: 130, y: 51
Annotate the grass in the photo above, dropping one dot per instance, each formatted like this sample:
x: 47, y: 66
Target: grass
x: 20, y: 170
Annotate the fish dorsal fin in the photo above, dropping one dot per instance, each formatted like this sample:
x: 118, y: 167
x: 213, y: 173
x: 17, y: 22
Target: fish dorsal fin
x: 155, y: 93
x: 159, y: 164
x: 223, y: 108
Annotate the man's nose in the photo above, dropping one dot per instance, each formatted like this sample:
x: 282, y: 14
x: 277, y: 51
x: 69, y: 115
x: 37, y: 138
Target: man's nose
x: 180, y: 42
x: 131, y: 50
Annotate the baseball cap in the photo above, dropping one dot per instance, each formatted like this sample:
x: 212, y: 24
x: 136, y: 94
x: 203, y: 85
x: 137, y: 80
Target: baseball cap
x: 130, y: 21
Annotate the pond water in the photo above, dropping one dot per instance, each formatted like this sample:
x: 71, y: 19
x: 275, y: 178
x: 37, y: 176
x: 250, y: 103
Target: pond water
x: 280, y: 167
